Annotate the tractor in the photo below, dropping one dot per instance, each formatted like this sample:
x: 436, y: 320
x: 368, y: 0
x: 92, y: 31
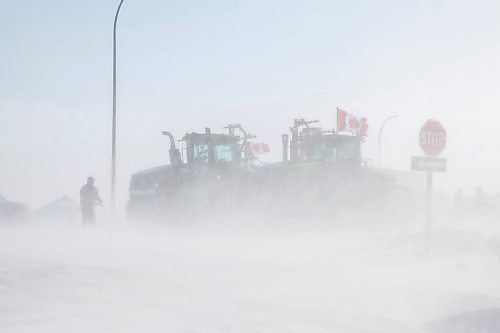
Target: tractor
x: 208, y: 176
x: 322, y: 176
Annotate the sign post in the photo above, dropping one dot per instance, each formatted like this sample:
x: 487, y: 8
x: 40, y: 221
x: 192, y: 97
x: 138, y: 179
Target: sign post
x: 428, y: 203
x: 432, y: 140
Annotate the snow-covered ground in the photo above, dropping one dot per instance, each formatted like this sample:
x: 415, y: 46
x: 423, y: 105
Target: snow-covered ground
x: 123, y: 278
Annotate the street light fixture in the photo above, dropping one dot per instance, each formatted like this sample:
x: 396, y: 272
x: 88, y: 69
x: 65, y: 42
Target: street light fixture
x: 380, y: 134
x: 113, y: 135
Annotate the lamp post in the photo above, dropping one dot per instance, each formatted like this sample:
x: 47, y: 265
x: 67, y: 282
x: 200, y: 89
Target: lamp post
x: 380, y: 135
x: 113, y: 135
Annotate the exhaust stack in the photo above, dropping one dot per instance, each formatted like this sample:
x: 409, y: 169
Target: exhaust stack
x: 173, y: 153
x: 285, y: 140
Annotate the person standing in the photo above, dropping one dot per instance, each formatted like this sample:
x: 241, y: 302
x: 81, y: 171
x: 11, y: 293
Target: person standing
x: 89, y: 197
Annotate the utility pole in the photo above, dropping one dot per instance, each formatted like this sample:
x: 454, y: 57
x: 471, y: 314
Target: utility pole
x: 113, y: 135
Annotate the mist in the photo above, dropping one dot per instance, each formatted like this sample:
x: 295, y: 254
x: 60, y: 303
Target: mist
x: 334, y: 236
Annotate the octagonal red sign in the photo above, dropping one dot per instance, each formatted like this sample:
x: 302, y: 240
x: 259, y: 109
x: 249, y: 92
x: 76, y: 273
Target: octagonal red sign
x: 432, y: 138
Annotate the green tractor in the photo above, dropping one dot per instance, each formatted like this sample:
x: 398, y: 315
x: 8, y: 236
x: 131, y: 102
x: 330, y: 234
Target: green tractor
x: 322, y: 176
x: 207, y: 177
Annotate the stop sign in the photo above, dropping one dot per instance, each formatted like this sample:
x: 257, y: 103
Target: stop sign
x: 432, y: 138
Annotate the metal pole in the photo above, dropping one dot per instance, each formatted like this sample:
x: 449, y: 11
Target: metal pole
x: 380, y: 135
x: 428, y: 205
x: 113, y: 135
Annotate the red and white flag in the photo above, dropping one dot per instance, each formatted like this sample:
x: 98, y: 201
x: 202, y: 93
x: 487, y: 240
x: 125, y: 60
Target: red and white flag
x: 258, y: 148
x: 349, y: 123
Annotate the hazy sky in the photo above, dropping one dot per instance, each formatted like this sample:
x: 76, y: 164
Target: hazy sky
x: 186, y: 65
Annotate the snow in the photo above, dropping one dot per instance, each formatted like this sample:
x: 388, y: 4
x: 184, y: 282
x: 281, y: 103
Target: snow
x: 119, y: 277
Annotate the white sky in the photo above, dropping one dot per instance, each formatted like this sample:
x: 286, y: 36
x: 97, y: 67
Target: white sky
x: 184, y: 66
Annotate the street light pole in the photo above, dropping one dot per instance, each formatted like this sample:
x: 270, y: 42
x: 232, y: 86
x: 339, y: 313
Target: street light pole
x: 113, y: 135
x: 380, y: 135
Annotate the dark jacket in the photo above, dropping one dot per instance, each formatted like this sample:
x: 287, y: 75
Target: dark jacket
x: 89, y: 196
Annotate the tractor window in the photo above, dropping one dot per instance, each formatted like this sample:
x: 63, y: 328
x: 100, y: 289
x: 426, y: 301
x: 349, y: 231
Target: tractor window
x: 201, y: 152
x: 223, y: 153
x: 347, y: 150
x: 321, y: 151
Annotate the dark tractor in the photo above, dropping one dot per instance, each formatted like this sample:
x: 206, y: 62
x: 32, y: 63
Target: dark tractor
x: 208, y: 177
x: 323, y: 176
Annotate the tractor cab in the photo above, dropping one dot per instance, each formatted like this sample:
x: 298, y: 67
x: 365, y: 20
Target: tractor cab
x: 208, y: 148
x: 315, y: 144
x: 213, y: 149
x: 206, y: 164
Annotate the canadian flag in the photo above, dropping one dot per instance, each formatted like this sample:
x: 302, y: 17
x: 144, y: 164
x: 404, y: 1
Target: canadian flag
x: 347, y: 122
x: 258, y: 148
